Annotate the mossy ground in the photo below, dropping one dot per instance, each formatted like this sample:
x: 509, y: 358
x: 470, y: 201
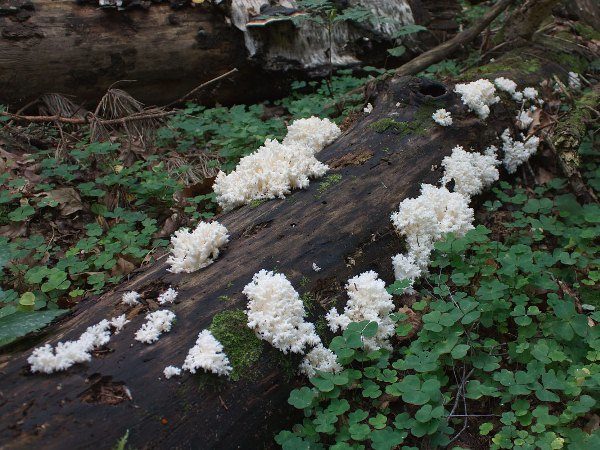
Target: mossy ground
x: 241, y: 345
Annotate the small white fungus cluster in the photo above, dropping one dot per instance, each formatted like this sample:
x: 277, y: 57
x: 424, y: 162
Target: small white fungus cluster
x: 319, y: 358
x: 530, y: 93
x: 368, y: 109
x: 471, y: 171
x: 517, y: 152
x: 131, y: 298
x: 47, y: 359
x: 171, y: 371
x: 206, y: 354
x: 157, y: 323
x: 509, y: 86
x: 478, y: 96
x: 193, y: 250
x: 167, y: 297
x: 442, y: 117
x: 276, y: 313
x: 278, y: 167
x: 367, y: 300
x: 524, y: 119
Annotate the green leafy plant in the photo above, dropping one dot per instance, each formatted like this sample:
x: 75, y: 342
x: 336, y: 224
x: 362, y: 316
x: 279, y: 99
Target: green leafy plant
x: 506, y: 348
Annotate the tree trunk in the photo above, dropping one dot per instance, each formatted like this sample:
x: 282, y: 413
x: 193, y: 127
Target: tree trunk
x: 80, y: 50
x: 340, y: 223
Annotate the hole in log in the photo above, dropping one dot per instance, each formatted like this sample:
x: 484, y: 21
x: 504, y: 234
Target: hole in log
x: 432, y: 89
x: 104, y: 390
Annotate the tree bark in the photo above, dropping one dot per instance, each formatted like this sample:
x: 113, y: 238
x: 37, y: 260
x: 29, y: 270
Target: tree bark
x: 80, y: 50
x: 341, y: 226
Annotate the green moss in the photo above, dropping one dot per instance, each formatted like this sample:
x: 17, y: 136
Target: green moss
x: 308, y: 300
x: 511, y: 62
x: 570, y: 61
x: 418, y: 126
x: 586, y: 32
x: 327, y: 182
x: 256, y: 203
x: 240, y: 343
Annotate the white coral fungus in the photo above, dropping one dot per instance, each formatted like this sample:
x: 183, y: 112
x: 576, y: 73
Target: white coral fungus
x: 315, y: 267
x: 193, y: 250
x: 478, y: 96
x: 425, y: 219
x: 442, y: 117
x: 207, y: 354
x: 509, y: 86
x: 530, y: 93
x: 47, y: 359
x: 367, y: 300
x: 131, y: 298
x: 171, y: 371
x: 471, y: 171
x: 157, y: 323
x: 276, y: 168
x: 276, y: 313
x: 319, y: 358
x: 368, y: 109
x: 524, y: 119
x: 119, y: 322
x: 517, y: 152
x: 168, y: 296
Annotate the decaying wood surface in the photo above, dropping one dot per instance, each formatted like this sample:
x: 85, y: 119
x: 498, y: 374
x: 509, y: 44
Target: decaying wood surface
x: 343, y: 228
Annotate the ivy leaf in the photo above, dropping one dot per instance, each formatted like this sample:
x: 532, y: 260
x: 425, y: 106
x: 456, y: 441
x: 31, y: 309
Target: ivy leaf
x: 397, y: 51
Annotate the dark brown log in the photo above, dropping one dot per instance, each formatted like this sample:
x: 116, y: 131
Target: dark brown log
x: 344, y: 229
x: 80, y: 50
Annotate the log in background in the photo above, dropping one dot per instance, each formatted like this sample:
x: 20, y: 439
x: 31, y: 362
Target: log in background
x: 80, y: 50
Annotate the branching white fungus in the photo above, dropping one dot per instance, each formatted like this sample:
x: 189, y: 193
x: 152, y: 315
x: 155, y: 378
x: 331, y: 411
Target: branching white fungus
x: 157, y: 323
x: 471, y: 171
x: 524, y: 120
x: 277, y: 167
x: 207, y: 354
x: 478, y: 96
x: 47, y: 359
x: 171, y: 371
x: 319, y: 358
x: 442, y: 117
x: 131, y: 298
x: 276, y: 313
x: 517, y: 152
x: 168, y: 296
x: 367, y: 300
x: 193, y: 250
x: 119, y: 322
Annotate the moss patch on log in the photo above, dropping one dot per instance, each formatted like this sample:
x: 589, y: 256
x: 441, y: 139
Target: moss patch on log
x: 418, y: 126
x: 240, y: 343
x: 511, y: 62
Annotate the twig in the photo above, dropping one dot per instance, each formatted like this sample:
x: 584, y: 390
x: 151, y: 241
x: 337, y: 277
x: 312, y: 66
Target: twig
x: 202, y: 86
x: 89, y: 118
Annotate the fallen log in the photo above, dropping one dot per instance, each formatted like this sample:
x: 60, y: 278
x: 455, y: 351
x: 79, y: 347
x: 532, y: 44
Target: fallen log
x: 340, y: 223
x: 78, y: 49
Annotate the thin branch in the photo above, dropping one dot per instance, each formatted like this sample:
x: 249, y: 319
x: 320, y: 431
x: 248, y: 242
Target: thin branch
x: 202, y: 86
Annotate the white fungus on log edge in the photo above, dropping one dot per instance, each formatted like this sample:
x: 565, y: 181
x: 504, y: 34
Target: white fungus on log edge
x: 276, y: 313
x: 207, y: 354
x: 278, y: 167
x: 193, y: 250
x: 157, y: 323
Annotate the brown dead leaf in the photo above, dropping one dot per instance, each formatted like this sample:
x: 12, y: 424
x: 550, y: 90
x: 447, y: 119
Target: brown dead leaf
x: 544, y: 175
x: 14, y: 230
x: 123, y: 267
x: 68, y: 199
x: 171, y: 224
